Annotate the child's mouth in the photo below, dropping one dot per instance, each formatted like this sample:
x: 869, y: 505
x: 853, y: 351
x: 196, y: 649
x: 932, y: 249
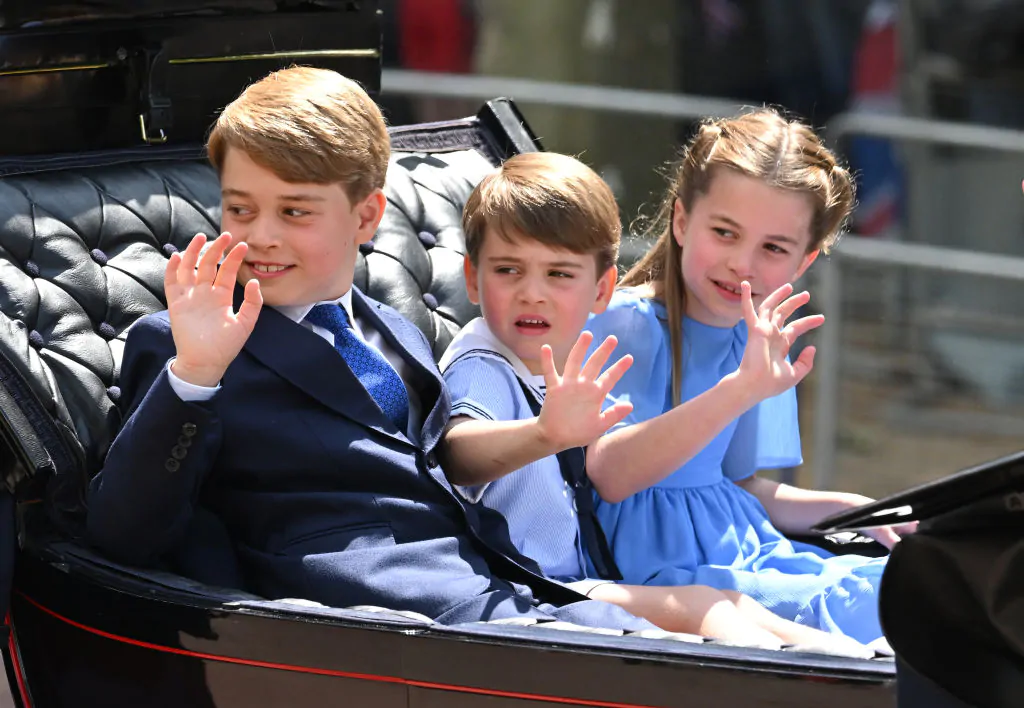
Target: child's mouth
x: 264, y: 271
x: 532, y: 325
x: 728, y: 290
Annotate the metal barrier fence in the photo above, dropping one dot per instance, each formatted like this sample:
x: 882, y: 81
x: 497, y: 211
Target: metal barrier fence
x: 671, y: 105
x: 598, y: 98
x: 918, y: 255
x: 858, y: 249
x: 851, y: 249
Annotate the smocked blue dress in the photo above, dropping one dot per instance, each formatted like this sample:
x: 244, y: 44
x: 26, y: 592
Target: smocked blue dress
x: 697, y: 526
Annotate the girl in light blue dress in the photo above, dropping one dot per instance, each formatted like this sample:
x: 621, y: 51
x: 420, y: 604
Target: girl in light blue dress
x: 754, y: 200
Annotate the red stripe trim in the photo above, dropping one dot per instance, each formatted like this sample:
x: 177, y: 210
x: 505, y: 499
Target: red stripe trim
x: 327, y: 672
x: 12, y: 649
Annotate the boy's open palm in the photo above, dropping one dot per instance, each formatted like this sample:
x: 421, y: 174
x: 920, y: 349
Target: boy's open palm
x: 765, y: 367
x: 573, y: 413
x: 207, y: 332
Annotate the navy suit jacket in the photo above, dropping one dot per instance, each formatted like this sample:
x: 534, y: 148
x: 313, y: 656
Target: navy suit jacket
x: 322, y: 497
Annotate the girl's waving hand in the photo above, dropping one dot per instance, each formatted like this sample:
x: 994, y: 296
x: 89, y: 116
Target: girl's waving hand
x: 765, y: 366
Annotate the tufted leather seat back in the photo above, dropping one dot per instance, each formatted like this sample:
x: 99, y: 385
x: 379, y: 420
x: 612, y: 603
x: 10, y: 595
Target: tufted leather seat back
x: 82, y: 256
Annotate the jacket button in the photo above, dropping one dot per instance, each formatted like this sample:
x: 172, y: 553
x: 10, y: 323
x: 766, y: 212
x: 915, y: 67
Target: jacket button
x: 184, y: 441
x: 189, y: 429
x: 178, y: 452
x: 172, y: 465
x: 431, y: 460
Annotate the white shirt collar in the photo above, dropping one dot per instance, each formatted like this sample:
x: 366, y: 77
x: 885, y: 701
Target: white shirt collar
x: 297, y: 313
x: 478, y: 335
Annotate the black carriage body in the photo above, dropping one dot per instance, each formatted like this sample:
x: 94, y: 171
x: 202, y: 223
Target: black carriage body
x: 88, y: 637
x: 87, y: 218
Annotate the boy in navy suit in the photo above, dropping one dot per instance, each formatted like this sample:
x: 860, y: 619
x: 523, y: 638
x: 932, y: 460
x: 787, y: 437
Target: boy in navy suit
x: 300, y: 412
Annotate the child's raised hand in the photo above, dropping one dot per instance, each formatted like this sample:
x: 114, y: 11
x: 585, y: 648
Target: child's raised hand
x: 207, y: 332
x: 573, y: 413
x: 765, y: 367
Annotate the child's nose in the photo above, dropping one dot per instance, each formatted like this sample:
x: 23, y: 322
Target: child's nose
x: 741, y: 262
x: 531, y: 290
x: 261, y: 233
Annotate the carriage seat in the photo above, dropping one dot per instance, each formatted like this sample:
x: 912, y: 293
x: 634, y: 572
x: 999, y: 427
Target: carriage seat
x: 82, y: 256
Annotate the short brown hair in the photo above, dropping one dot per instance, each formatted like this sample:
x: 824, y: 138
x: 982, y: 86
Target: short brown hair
x: 762, y: 144
x: 550, y: 198
x: 307, y: 125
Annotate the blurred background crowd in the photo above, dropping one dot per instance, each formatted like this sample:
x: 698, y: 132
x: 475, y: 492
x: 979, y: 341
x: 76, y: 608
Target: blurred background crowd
x: 921, y: 363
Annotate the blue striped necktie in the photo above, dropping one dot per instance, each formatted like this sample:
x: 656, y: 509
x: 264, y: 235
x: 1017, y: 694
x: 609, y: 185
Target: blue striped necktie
x: 374, y: 372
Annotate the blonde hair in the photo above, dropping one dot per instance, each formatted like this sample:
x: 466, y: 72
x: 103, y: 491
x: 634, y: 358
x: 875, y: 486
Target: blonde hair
x: 550, y: 198
x: 307, y: 125
x: 762, y: 144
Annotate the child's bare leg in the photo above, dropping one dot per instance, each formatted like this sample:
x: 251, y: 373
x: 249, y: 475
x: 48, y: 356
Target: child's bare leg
x: 790, y: 632
x: 693, y: 609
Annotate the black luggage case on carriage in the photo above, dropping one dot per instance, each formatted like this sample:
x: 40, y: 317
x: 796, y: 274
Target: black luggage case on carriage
x: 952, y: 597
x: 104, y: 74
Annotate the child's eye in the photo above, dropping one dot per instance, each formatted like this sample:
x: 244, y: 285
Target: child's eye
x: 724, y: 232
x: 236, y: 210
x: 296, y: 213
x: 560, y: 274
x: 775, y: 248
x: 506, y: 270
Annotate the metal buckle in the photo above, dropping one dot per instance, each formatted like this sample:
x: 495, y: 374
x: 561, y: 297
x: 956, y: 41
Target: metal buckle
x: 146, y: 137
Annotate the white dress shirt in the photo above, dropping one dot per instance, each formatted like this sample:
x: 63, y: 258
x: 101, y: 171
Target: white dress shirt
x: 362, y: 328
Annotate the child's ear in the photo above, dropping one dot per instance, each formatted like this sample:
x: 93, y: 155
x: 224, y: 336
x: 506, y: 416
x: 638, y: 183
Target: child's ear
x: 605, y: 290
x: 679, y: 219
x: 370, y: 211
x: 806, y: 263
x: 469, y: 275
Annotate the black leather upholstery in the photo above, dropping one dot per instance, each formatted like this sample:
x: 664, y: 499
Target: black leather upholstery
x: 414, y: 263
x: 82, y: 254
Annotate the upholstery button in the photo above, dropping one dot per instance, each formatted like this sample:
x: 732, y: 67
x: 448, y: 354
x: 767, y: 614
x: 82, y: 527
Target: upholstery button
x: 184, y: 442
x: 32, y: 269
x: 36, y: 339
x: 428, y: 239
x: 189, y: 429
x: 114, y: 394
x: 169, y: 249
x: 172, y: 465
x: 178, y: 452
x: 98, y: 256
x: 106, y: 330
x: 367, y: 247
x: 430, y: 301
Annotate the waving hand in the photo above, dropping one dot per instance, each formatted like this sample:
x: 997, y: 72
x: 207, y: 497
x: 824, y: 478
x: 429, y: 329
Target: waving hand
x: 208, y: 333
x: 765, y: 365
x: 573, y: 413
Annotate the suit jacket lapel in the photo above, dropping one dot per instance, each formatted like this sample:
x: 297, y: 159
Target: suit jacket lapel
x: 407, y: 340
x: 309, y: 363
